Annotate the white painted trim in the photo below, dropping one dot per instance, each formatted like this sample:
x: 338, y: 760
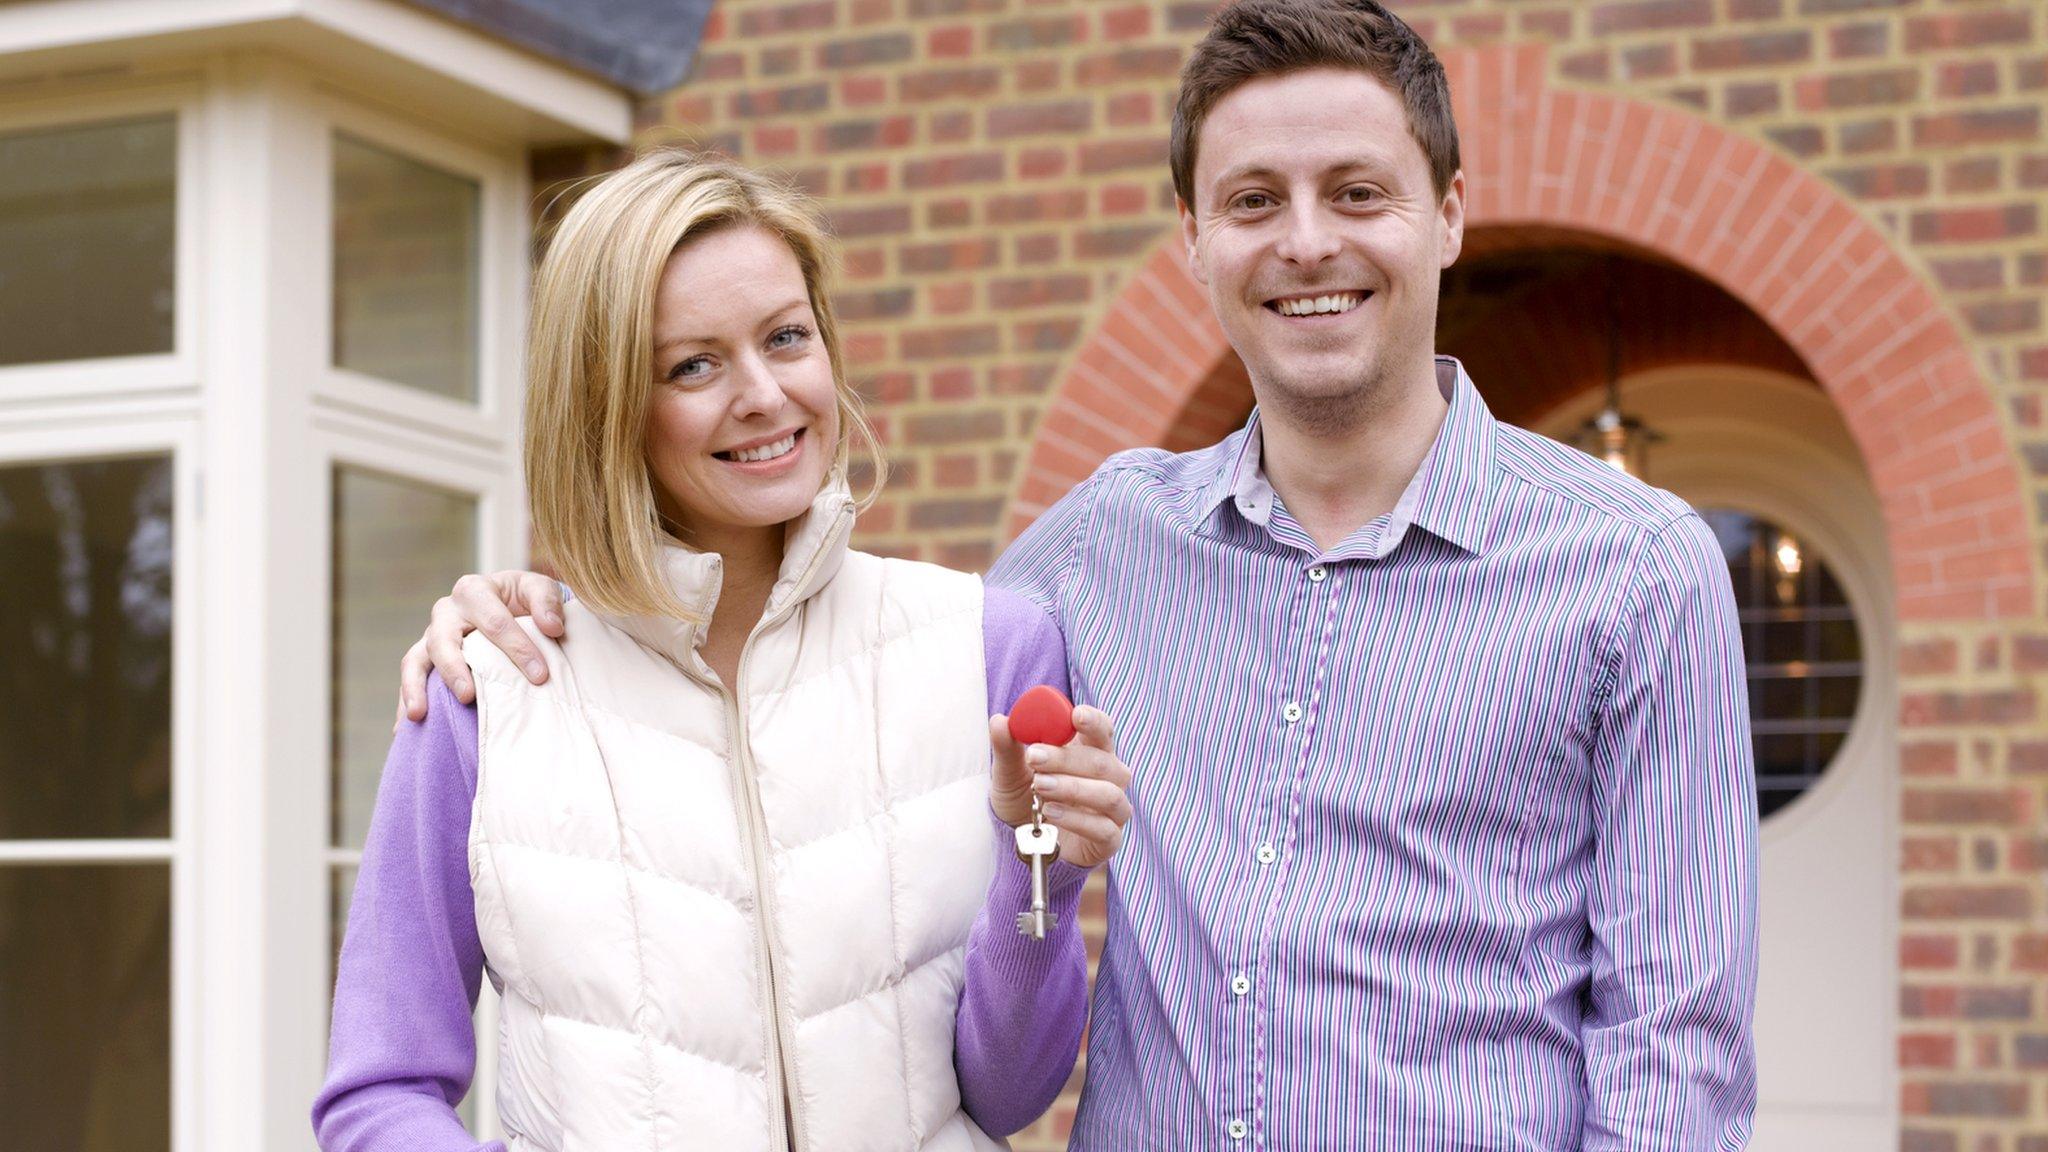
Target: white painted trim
x: 90, y: 852
x: 131, y: 432
x: 122, y: 375
x: 508, y: 75
x: 502, y: 242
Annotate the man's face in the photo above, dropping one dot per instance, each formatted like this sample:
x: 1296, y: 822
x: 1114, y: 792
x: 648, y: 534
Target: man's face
x: 1321, y: 239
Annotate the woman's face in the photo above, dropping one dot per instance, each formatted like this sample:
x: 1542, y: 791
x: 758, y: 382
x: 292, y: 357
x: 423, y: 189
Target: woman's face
x: 744, y: 420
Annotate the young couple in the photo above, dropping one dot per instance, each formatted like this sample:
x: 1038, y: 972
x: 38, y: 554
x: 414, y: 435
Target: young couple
x: 1437, y: 830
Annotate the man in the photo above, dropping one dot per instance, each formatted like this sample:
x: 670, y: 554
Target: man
x: 1444, y: 831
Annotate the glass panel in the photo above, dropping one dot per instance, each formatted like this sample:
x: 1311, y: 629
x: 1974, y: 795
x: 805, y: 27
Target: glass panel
x: 88, y: 227
x: 398, y: 545
x: 405, y: 270
x: 85, y: 1007
x: 85, y: 572
x: 1805, y: 657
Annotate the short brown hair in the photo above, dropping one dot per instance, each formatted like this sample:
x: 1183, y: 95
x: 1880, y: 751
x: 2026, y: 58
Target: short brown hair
x: 1251, y: 39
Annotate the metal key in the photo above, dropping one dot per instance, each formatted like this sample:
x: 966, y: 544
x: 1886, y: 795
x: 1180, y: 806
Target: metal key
x: 1038, y: 844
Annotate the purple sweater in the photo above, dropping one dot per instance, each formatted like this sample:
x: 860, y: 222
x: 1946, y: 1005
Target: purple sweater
x: 403, y: 1050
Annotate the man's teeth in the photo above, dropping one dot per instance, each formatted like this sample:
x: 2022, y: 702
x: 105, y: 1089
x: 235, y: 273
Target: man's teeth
x: 1317, y: 305
x: 781, y: 447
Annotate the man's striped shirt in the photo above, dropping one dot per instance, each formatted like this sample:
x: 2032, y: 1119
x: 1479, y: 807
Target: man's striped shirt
x: 1445, y: 838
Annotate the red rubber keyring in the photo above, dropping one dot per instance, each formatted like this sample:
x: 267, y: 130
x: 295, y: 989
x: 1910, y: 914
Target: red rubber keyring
x: 1042, y: 716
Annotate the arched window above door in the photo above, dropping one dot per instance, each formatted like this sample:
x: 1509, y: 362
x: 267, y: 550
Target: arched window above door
x: 1802, y: 648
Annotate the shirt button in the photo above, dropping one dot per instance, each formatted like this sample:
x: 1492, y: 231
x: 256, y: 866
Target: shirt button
x: 1240, y: 984
x: 1238, y: 1129
x: 1292, y: 712
x: 1267, y: 854
x: 1317, y: 573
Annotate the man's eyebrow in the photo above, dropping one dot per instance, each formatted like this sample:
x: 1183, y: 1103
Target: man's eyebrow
x: 1257, y: 169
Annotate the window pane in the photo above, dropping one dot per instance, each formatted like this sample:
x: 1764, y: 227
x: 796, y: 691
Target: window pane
x: 85, y: 1007
x: 85, y: 572
x: 1805, y: 658
x: 398, y: 545
x: 405, y: 270
x: 88, y: 220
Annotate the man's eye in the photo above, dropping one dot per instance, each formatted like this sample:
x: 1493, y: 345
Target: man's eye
x: 1254, y: 201
x: 1358, y: 195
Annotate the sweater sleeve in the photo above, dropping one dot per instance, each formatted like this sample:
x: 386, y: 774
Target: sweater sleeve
x: 1018, y: 1031
x: 402, y: 1048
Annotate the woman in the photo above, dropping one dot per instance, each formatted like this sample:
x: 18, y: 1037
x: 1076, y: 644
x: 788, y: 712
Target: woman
x: 724, y: 864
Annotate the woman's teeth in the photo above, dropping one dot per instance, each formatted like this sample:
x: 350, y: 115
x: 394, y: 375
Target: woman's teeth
x: 1318, y: 305
x: 782, y: 447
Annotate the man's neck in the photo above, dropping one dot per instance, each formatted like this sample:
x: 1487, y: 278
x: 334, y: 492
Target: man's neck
x: 1335, y: 481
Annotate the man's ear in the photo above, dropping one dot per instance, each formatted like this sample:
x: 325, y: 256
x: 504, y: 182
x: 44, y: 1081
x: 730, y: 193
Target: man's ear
x: 1453, y: 211
x: 1190, y: 237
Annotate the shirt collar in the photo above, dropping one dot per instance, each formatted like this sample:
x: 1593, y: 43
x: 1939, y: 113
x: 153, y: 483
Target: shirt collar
x: 1450, y: 495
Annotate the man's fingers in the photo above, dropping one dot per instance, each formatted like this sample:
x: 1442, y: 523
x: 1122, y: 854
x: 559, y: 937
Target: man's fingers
x: 1078, y: 759
x: 538, y: 597
x: 412, y: 682
x: 478, y: 605
x: 1095, y: 728
x: 1084, y: 794
x: 1086, y: 838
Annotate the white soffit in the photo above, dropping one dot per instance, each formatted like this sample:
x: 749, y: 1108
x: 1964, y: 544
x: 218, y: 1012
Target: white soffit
x: 388, y: 47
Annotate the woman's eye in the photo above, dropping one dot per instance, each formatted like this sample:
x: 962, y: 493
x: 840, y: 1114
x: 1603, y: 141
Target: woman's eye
x: 694, y: 366
x: 789, y: 337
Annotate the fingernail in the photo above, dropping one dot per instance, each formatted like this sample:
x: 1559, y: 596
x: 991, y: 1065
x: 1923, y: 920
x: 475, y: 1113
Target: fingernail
x: 533, y: 668
x: 461, y: 686
x: 1042, y: 783
x: 1053, y: 811
x: 1039, y: 756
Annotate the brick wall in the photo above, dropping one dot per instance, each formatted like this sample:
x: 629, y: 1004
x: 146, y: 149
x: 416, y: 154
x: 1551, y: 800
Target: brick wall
x: 996, y: 169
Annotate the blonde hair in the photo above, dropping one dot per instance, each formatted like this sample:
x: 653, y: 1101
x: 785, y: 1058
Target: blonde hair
x: 590, y: 362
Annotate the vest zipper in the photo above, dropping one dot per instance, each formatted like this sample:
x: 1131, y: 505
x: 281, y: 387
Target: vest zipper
x: 780, y: 1042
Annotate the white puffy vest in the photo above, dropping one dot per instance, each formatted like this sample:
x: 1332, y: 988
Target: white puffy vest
x: 705, y: 908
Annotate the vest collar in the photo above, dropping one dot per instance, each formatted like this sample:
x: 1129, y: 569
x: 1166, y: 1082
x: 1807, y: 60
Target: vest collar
x: 814, y: 546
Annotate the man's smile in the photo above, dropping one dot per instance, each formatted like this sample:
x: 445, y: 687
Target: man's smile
x: 1324, y: 304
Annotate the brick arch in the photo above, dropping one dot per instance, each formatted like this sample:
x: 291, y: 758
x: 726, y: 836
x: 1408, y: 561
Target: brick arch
x: 1793, y: 250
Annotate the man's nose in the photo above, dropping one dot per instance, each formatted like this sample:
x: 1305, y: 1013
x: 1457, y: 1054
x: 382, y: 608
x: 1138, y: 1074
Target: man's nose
x: 1309, y: 240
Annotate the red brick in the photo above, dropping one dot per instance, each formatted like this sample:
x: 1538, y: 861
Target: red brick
x: 1857, y: 89
x: 1985, y: 126
x: 943, y: 343
x: 1146, y: 152
x: 1752, y: 50
x: 1922, y: 1050
x: 1038, y: 291
x: 882, y: 48
x: 1961, y: 79
x: 1127, y: 22
x: 1924, y: 805
x: 1976, y: 224
x: 1646, y: 15
x: 1055, y: 116
x: 1967, y: 30
x: 949, y: 84
x: 1968, y: 902
x: 942, y: 171
x: 1035, y: 33
x: 1881, y: 181
x: 1126, y: 65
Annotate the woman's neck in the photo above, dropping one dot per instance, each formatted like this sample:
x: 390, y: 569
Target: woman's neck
x: 751, y: 562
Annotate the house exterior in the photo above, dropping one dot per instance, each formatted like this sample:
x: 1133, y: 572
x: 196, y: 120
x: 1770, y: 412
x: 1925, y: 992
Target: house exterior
x: 261, y: 276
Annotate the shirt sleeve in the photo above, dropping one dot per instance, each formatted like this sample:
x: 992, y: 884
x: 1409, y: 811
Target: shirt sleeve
x: 1670, y: 1061
x: 402, y: 1048
x: 1036, y: 564
x: 1018, y: 1031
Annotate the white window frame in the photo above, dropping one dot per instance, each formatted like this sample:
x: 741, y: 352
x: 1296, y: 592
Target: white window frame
x: 347, y: 440
x: 64, y: 436
x: 502, y: 238
x: 154, y: 372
